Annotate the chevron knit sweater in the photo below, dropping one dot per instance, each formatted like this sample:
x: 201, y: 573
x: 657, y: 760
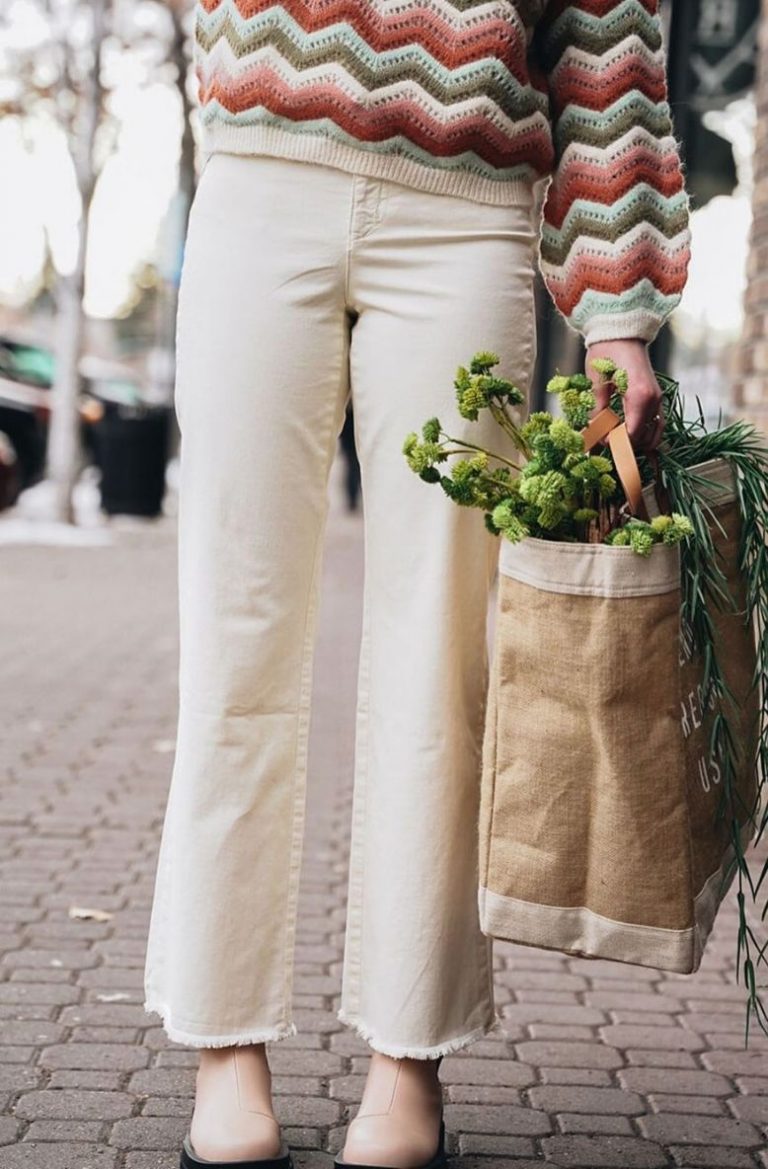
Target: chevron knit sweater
x: 476, y: 98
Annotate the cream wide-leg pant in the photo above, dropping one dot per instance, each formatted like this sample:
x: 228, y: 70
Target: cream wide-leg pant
x: 303, y: 284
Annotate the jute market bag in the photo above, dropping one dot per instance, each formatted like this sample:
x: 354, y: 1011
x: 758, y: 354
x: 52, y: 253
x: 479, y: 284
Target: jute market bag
x: 602, y: 828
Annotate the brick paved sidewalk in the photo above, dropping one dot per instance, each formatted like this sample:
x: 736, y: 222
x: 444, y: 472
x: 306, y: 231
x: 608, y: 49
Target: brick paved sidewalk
x: 602, y: 1064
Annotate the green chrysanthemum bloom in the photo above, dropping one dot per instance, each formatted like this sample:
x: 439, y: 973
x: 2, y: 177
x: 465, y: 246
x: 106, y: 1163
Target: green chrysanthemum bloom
x: 603, y: 365
x: 537, y: 423
x: 461, y: 381
x: 600, y: 464
x: 661, y: 524
x: 548, y: 455
x: 565, y: 437
x: 410, y: 441
x: 680, y: 528
x: 551, y: 513
x: 558, y: 384
x: 621, y: 381
x: 607, y: 486
x: 641, y: 539
x: 682, y: 523
x: 471, y: 400
x: 542, y: 489
x: 479, y: 462
x: 618, y: 538
x: 580, y: 381
x: 483, y: 360
x: 507, y: 521
x: 570, y: 400
x: 431, y: 430
x: 423, y: 455
x: 585, y: 515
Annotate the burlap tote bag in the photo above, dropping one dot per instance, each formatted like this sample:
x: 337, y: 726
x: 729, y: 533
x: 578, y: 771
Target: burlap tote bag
x: 602, y: 828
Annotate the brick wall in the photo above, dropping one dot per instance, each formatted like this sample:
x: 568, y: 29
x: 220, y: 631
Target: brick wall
x: 751, y: 389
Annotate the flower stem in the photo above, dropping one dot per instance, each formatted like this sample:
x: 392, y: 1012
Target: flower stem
x: 470, y: 446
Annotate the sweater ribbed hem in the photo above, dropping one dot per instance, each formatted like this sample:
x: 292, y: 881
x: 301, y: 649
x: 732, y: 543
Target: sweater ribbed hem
x: 637, y: 325
x: 261, y: 138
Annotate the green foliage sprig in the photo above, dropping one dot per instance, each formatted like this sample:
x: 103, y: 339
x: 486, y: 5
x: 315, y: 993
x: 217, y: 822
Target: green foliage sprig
x: 558, y: 491
x: 687, y: 444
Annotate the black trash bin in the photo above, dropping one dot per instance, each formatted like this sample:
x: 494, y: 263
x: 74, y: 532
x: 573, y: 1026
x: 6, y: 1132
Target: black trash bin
x: 131, y: 452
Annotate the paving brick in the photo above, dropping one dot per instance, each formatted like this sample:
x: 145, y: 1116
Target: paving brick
x: 57, y: 1155
x: 302, y: 1111
x: 591, y: 1124
x: 65, y: 1130
x: 491, y: 1118
x: 594, y: 1152
x: 590, y: 1077
x: 702, y: 1105
x: 484, y: 1144
x: 676, y: 1129
x: 735, y: 1062
x: 596, y: 1100
x: 9, y: 1129
x: 754, y: 1108
x: 709, y: 1157
x: 466, y: 1070
x: 481, y: 1094
x: 66, y: 1104
x: 688, y: 1083
x: 655, y: 1038
x: 168, y: 1106
x: 100, y: 1081
x: 581, y: 1055
x: 653, y: 1058
x: 110, y: 1057
x: 753, y: 1085
x: 148, y: 1132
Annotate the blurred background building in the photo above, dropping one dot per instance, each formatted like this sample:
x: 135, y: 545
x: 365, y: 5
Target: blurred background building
x: 97, y: 148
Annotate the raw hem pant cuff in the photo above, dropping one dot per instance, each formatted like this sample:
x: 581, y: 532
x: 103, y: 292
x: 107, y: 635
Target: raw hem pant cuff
x: 405, y: 1051
x: 233, y: 1039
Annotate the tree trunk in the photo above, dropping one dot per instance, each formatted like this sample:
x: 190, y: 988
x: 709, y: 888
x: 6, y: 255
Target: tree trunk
x: 751, y: 391
x: 64, y: 454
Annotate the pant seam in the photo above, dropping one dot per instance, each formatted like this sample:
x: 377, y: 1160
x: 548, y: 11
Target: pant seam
x: 354, y: 928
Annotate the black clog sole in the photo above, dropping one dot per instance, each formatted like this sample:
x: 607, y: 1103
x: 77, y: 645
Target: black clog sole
x: 189, y: 1160
x: 439, y: 1161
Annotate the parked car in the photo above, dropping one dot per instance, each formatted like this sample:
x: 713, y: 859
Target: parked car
x: 125, y: 437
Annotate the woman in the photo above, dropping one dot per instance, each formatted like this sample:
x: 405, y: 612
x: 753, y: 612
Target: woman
x: 363, y: 224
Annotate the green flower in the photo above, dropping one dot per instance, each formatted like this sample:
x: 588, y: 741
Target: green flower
x: 603, y: 365
x: 421, y: 455
x: 607, y: 486
x: 471, y: 400
x: 537, y: 423
x: 558, y: 384
x: 621, y: 381
x: 431, y: 430
x: 585, y: 515
x: 618, y: 538
x: 507, y: 521
x: 682, y: 525
x: 565, y: 437
x: 580, y: 381
x: 484, y: 360
x: 640, y: 539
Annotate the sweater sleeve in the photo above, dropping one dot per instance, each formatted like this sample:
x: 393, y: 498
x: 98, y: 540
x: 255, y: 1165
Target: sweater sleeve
x: 615, y: 238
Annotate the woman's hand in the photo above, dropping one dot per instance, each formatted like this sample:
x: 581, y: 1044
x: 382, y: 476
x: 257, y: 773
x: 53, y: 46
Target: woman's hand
x: 642, y: 403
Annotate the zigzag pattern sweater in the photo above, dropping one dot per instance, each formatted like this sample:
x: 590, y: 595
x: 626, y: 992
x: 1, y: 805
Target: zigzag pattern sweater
x: 475, y: 98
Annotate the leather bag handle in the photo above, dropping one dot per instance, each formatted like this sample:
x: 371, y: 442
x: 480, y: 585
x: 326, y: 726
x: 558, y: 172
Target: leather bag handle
x: 606, y: 426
